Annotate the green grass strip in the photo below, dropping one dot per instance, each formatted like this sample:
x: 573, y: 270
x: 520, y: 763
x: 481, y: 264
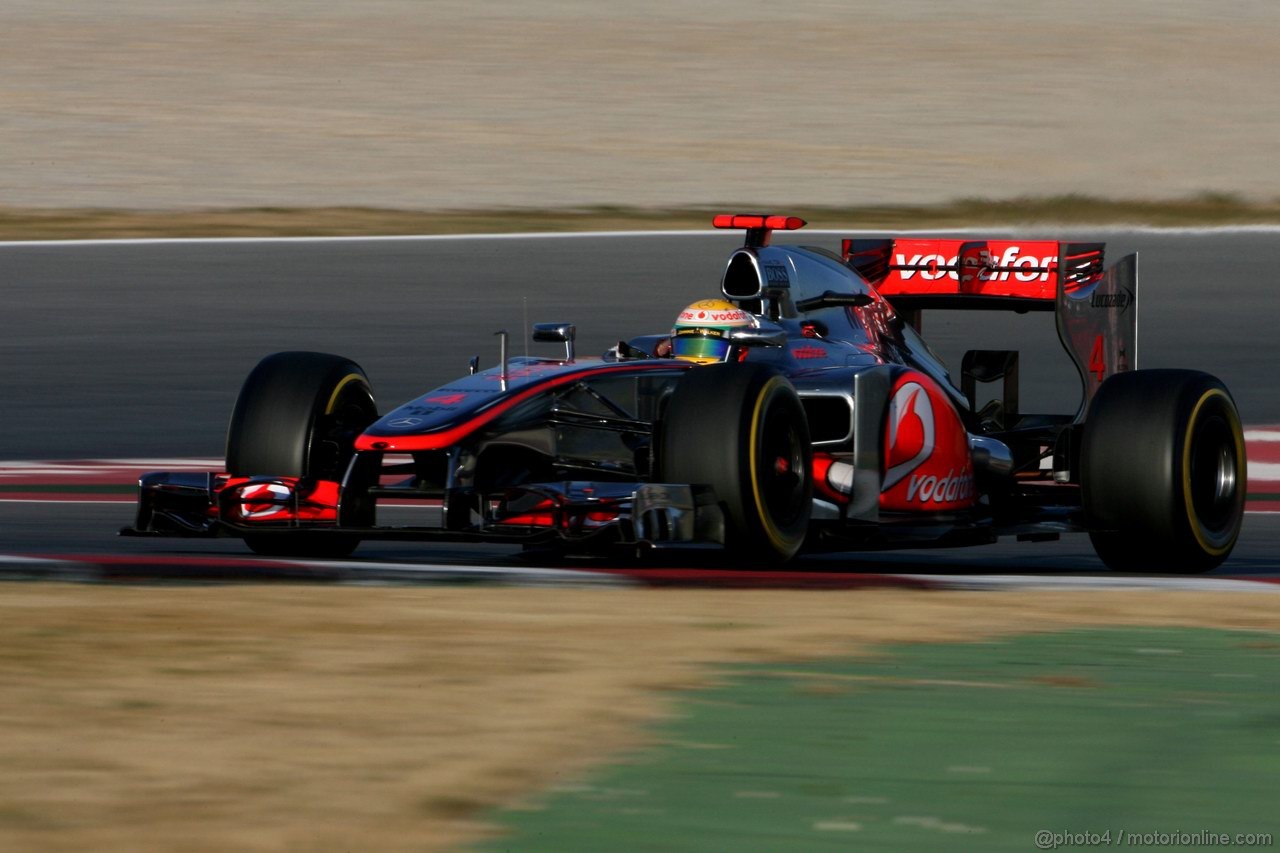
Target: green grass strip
x: 948, y: 747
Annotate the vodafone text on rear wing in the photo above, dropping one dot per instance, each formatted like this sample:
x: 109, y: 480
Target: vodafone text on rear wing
x: 1096, y: 307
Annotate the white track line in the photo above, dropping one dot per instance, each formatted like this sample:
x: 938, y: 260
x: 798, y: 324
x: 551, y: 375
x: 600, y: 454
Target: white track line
x: 1264, y: 471
x: 1018, y: 231
x: 1098, y: 581
x: 380, y: 573
x: 54, y: 501
x: 112, y: 463
x: 391, y: 573
x: 531, y: 572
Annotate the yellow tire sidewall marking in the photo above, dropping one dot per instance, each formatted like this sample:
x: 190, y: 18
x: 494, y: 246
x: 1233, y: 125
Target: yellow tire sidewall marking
x: 771, y: 530
x: 337, y: 391
x: 1237, y: 436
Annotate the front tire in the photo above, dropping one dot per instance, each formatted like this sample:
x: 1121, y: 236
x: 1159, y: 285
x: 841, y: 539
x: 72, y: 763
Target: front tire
x: 298, y: 415
x: 1163, y: 471
x: 740, y: 428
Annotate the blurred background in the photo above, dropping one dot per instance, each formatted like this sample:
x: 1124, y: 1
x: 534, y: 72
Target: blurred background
x: 451, y: 104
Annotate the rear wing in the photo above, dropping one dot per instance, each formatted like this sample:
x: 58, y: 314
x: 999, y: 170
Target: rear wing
x: 1016, y: 274
x: 1095, y: 306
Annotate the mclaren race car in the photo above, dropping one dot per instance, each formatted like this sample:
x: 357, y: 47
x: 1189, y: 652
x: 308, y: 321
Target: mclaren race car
x: 798, y: 411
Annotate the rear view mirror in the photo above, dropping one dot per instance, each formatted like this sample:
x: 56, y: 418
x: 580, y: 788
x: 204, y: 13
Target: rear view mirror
x: 556, y: 333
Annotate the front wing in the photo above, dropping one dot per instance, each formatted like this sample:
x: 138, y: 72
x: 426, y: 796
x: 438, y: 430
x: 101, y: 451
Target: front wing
x: 214, y: 504
x: 569, y: 514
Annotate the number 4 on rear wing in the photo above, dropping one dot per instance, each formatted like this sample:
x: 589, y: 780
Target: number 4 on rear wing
x: 1095, y: 306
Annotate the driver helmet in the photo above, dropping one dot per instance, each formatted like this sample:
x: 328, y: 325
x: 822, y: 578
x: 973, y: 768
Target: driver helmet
x: 701, y: 332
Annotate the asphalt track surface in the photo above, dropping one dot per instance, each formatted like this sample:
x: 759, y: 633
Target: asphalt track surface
x: 137, y: 349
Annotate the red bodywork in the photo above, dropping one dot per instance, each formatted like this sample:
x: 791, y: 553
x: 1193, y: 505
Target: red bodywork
x: 926, y: 464
x: 927, y: 467
x: 279, y: 499
x: 1026, y: 269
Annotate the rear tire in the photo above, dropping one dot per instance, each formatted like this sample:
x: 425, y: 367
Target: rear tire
x: 298, y: 415
x: 740, y: 428
x: 1163, y: 471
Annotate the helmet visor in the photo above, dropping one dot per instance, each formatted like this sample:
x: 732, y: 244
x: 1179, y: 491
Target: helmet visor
x: 700, y: 349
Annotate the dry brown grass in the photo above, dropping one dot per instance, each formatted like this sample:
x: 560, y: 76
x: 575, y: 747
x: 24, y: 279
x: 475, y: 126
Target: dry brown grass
x: 17, y: 223
x: 329, y: 719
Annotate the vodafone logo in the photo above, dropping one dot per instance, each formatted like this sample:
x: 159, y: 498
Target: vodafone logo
x: 255, y: 501
x: 935, y: 267
x: 952, y: 487
x: 911, y: 432
x: 735, y: 317
x: 927, y: 459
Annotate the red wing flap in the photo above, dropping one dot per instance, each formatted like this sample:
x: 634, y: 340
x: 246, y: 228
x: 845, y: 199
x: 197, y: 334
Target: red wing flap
x: 869, y: 257
x: 1022, y: 269
x: 1082, y: 264
x: 1097, y: 317
x: 758, y: 225
x: 277, y: 501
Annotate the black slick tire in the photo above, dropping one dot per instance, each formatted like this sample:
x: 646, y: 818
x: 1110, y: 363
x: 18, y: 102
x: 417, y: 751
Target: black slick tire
x: 1163, y: 471
x: 298, y: 415
x: 740, y: 429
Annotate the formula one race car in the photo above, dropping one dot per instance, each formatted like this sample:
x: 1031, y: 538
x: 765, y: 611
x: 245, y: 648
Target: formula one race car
x: 799, y: 411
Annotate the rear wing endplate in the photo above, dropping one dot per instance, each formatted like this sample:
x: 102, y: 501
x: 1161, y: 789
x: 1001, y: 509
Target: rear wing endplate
x: 1098, y: 326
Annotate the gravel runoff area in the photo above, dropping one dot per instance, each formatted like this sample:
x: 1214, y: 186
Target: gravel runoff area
x: 309, y: 718
x: 452, y: 105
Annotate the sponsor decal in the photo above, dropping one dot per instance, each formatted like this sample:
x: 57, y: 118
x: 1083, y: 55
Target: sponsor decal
x: 712, y: 316
x: 947, y: 489
x: 809, y: 352
x: 279, y: 501
x: 404, y: 422
x: 932, y: 267
x: 716, y: 311
x: 446, y: 399
x: 520, y: 372
x: 255, y: 501
x: 911, y: 432
x: 699, y: 331
x: 777, y: 274
x: 1112, y: 301
x: 433, y: 412
x: 927, y: 463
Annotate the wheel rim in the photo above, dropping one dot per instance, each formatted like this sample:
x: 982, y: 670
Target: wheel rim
x: 1214, y: 478
x: 781, y: 467
x: 336, y: 432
